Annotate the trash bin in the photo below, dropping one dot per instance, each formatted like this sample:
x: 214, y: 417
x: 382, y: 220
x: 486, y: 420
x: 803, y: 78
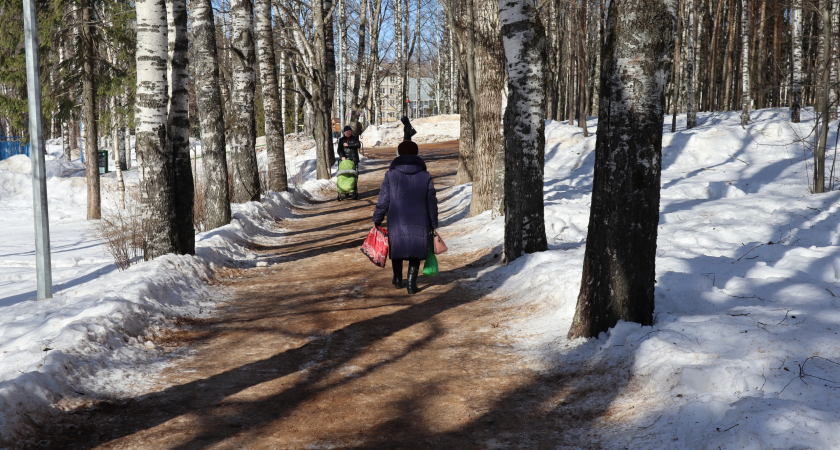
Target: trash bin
x: 103, y: 161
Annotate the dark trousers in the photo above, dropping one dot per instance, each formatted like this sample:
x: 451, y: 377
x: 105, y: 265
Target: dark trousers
x: 397, y: 264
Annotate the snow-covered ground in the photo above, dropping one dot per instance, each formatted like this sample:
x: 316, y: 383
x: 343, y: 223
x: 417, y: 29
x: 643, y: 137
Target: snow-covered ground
x: 93, y: 339
x: 744, y: 352
x: 429, y: 129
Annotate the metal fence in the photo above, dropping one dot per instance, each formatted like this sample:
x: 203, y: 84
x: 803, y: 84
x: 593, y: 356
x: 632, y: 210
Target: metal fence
x: 12, y: 146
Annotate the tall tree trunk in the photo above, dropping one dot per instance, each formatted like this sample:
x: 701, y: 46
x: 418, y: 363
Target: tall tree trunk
x: 823, y: 100
x: 94, y: 205
x: 834, y: 94
x: 464, y: 37
x: 796, y: 65
x: 583, y: 85
x: 524, y: 129
x: 675, y: 97
x: 211, y: 119
x: 713, y: 55
x: 690, y: 69
x: 154, y: 153
x: 274, y: 135
x: 65, y: 140
x: 778, y: 21
x: 490, y: 58
x: 761, y: 59
x: 399, y: 59
x: 178, y: 124
x: 243, y: 133
x: 745, y: 62
x: 730, y: 56
x: 116, y: 131
x: 619, y: 261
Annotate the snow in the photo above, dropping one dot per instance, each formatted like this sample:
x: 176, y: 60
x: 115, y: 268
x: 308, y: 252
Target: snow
x: 94, y: 339
x: 429, y: 129
x: 744, y: 351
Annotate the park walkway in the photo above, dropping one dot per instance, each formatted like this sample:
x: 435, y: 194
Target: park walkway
x: 320, y: 351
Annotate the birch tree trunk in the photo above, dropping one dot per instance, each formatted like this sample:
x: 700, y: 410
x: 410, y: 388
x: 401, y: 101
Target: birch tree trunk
x: 619, y: 261
x: 94, y: 202
x: 524, y: 128
x: 274, y: 136
x: 690, y: 69
x: 834, y: 94
x: 211, y: 119
x: 823, y: 101
x: 116, y: 131
x: 178, y: 124
x: 154, y: 153
x: 796, y: 65
x: 583, y: 85
x: 243, y: 133
x: 745, y: 62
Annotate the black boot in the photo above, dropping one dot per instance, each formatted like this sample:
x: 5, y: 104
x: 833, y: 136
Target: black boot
x: 412, y: 278
x: 397, y: 281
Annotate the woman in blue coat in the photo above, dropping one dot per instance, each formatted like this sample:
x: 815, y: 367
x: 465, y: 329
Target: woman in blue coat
x: 408, y: 198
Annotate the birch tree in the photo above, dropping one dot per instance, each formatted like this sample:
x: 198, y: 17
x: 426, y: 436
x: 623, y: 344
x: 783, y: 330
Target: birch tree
x: 745, y: 63
x: 150, y: 115
x: 178, y: 123
x: 524, y: 128
x: 274, y: 131
x: 211, y: 119
x: 796, y: 66
x: 619, y: 261
x: 834, y: 94
x: 243, y: 133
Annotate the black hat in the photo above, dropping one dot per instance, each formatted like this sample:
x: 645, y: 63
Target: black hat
x: 347, y: 128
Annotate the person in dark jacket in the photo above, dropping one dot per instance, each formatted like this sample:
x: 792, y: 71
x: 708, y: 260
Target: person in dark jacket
x: 408, y: 198
x: 348, y: 146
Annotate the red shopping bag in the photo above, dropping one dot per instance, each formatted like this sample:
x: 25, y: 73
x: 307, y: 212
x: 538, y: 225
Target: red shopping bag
x: 376, y: 246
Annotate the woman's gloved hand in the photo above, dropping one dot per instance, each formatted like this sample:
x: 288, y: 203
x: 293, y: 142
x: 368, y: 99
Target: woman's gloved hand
x: 377, y: 224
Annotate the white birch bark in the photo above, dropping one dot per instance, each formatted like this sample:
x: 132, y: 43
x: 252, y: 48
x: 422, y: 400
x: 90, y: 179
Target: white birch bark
x: 178, y: 123
x: 274, y: 135
x: 211, y: 121
x: 834, y: 95
x: 524, y: 128
x: 150, y: 114
x: 243, y: 133
x: 796, y: 66
x: 619, y: 264
x: 746, y: 100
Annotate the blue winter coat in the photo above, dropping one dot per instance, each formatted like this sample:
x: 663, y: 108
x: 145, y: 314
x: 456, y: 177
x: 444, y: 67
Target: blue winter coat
x: 408, y: 198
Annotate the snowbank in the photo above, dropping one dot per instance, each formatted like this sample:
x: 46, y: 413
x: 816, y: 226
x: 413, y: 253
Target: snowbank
x: 94, y: 338
x: 744, y: 351
x: 429, y: 130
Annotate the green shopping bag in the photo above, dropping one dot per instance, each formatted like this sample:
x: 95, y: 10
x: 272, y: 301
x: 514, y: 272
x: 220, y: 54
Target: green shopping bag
x: 430, y: 267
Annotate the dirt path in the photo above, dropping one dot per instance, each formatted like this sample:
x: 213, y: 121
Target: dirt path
x: 320, y: 351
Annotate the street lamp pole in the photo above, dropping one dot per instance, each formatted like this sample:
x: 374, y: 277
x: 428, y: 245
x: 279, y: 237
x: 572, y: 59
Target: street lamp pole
x: 36, y: 152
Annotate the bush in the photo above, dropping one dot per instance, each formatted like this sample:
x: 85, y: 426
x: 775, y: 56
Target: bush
x: 121, y: 230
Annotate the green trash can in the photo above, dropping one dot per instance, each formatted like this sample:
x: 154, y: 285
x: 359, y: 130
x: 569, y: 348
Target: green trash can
x: 103, y: 161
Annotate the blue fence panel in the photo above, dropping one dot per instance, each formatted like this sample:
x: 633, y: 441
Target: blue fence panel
x: 9, y: 148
